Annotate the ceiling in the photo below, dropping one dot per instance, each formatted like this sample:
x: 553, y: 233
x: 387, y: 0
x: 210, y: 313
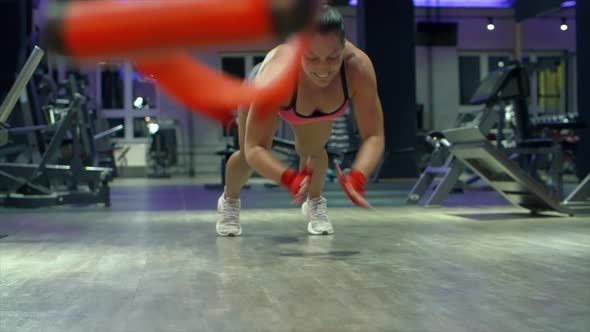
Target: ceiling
x: 474, y: 3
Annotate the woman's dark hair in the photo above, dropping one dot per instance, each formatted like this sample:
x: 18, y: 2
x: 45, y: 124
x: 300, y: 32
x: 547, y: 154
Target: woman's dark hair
x: 331, y: 21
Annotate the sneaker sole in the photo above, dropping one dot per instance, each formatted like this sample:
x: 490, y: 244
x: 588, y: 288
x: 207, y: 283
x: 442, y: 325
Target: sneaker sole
x: 312, y: 232
x: 230, y: 234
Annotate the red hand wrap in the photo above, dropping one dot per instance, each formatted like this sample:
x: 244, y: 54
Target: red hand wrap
x: 292, y: 180
x: 357, y: 180
x: 353, y: 181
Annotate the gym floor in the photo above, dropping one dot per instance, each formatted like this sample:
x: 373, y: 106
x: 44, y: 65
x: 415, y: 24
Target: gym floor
x: 152, y: 262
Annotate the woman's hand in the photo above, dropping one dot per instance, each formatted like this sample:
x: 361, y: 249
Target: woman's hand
x: 353, y: 184
x: 297, y: 183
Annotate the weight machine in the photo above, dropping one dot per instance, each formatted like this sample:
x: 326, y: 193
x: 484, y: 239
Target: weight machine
x: 46, y: 184
x: 509, y: 170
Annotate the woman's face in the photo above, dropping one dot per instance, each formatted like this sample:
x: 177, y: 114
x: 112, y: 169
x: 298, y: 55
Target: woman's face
x: 322, y: 61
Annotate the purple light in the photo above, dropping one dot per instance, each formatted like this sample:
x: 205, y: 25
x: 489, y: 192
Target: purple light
x: 570, y: 3
x: 463, y: 3
x: 353, y: 2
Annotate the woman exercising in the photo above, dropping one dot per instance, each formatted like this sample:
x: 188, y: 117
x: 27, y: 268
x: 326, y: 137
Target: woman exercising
x: 333, y: 73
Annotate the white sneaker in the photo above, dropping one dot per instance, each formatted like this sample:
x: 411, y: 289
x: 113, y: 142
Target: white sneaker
x: 228, y: 222
x: 316, y: 213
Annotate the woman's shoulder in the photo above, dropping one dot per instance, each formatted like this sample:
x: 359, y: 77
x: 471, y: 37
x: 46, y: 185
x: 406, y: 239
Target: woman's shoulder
x: 359, y: 67
x: 274, y: 55
x: 356, y: 61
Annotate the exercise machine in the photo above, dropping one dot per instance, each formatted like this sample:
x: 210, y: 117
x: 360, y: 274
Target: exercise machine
x: 498, y: 166
x: 509, y: 179
x: 441, y: 176
x: 46, y: 184
x: 504, y: 120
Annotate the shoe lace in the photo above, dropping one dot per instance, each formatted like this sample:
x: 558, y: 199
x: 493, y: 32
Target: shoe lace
x: 319, y: 209
x: 231, y: 213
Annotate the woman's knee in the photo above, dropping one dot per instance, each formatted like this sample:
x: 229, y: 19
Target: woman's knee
x: 239, y: 157
x: 249, y: 153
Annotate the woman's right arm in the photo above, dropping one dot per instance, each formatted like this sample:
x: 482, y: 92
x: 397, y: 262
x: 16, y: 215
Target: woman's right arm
x: 259, y: 131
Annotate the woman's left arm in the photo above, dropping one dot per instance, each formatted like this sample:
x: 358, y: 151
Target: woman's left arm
x: 369, y: 116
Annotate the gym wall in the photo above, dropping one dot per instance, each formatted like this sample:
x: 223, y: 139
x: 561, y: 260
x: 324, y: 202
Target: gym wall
x: 437, y: 82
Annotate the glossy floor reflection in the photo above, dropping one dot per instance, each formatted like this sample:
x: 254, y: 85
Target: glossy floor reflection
x: 154, y: 263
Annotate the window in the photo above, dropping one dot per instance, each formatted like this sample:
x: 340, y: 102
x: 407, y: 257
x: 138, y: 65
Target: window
x: 126, y: 97
x: 113, y: 122
x: 240, y: 64
x: 234, y: 65
x: 140, y: 127
x: 552, y: 78
x: 497, y: 62
x: 469, y: 77
x: 145, y: 96
x: 549, y: 84
x: 111, y: 85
